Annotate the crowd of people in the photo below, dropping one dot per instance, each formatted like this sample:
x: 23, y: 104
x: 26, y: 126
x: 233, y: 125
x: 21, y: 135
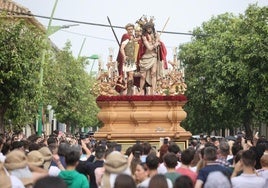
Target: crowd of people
x: 80, y: 161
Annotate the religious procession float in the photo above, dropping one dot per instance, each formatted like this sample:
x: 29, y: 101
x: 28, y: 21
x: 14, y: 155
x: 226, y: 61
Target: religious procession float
x: 130, y: 110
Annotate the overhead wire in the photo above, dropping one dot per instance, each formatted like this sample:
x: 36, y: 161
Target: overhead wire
x: 94, y: 24
x: 88, y: 36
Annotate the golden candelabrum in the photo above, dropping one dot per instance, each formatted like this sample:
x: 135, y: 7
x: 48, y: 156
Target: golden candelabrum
x: 171, y: 83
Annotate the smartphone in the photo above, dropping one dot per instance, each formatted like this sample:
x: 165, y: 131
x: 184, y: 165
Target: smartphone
x: 165, y: 141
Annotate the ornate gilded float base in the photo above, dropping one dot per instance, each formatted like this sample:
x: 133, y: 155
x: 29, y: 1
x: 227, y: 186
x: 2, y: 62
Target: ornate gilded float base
x: 131, y: 118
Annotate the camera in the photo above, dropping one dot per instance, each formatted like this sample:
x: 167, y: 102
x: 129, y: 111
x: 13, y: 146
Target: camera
x: 165, y: 140
x: 82, y: 136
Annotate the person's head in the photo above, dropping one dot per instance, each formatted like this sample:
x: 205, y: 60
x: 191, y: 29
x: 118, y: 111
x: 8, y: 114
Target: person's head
x: 34, y: 146
x: 148, y: 28
x: 16, y: 163
x: 210, y: 153
x: 124, y: 181
x: 33, y: 138
x: 133, y: 164
x: 146, y: 148
x: 17, y: 145
x: 194, y: 142
x: 18, y: 134
x: 264, y: 160
x: 158, y: 180
x: 6, y: 148
x: 15, y: 159
x: 224, y: 148
x: 115, y: 163
x: 50, y: 181
x: 207, y: 144
x: 53, y: 148
x: 129, y: 28
x: 138, y: 31
x: 183, y: 182
x: 72, y: 156
x: 174, y: 148
x: 248, y: 158
x: 141, y: 172
x: 35, y: 158
x: 55, y: 133
x: 152, y: 161
x: 83, y: 136
x: 162, y: 151
x: 137, y: 148
x: 100, y: 152
x: 128, y: 151
x: 52, y: 139
x: 259, y: 150
x: 203, y: 140
x: 236, y: 148
x: 187, y: 156
x: 170, y: 160
x: 237, y: 157
x: 208, y: 139
x: 215, y: 141
x: 63, y: 147
x: 47, y: 156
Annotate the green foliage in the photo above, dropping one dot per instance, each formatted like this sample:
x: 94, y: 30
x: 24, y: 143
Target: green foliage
x: 227, y: 72
x: 68, y: 90
x: 66, y: 85
x: 20, y: 46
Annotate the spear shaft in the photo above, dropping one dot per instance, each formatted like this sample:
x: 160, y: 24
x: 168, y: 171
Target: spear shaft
x: 113, y: 31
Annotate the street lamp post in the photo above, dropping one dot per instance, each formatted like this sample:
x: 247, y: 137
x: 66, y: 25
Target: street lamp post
x: 50, y: 30
x: 40, y: 108
x: 50, y: 118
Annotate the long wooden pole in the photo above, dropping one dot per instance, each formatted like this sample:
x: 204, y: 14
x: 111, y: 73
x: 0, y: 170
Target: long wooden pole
x: 113, y: 31
x: 164, y: 26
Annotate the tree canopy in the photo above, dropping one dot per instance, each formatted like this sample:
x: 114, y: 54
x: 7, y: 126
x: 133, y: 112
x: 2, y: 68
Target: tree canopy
x: 20, y: 46
x: 227, y: 72
x: 68, y: 88
x: 66, y: 84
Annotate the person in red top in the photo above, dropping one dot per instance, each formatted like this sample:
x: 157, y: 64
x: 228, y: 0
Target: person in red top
x: 187, y: 157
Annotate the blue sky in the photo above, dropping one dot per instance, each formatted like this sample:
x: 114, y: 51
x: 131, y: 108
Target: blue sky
x: 184, y: 16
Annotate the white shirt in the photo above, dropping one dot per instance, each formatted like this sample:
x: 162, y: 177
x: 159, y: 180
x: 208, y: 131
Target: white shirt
x: 146, y: 182
x: 53, y: 171
x: 263, y: 173
x: 2, y: 157
x: 15, y: 182
x: 248, y: 181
